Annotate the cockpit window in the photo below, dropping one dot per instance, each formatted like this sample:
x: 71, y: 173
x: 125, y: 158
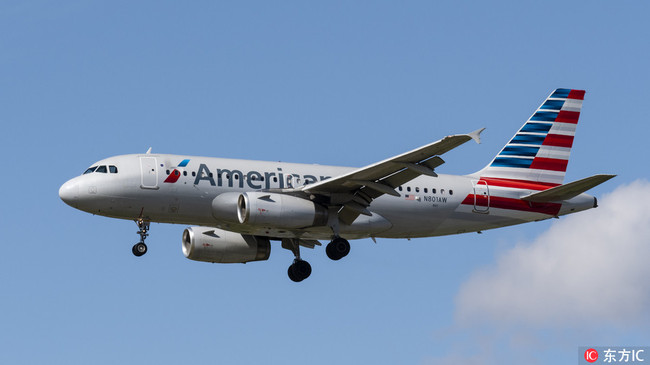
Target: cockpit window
x: 90, y: 169
x: 102, y: 169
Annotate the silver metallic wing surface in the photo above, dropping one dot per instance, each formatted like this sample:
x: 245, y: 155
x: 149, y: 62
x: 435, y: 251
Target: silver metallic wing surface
x: 358, y: 188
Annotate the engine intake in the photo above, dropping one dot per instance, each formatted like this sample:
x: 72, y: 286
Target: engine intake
x: 216, y: 245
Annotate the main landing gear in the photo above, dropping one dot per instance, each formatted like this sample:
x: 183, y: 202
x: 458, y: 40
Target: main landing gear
x: 338, y: 248
x: 300, y: 269
x: 140, y: 248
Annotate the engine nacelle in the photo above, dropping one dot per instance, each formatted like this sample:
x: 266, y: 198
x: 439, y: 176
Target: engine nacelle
x: 261, y: 209
x: 216, y: 245
x: 224, y: 207
x: 279, y: 211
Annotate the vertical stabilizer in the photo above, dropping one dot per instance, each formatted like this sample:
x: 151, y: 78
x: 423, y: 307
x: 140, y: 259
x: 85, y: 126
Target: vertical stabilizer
x: 539, y: 152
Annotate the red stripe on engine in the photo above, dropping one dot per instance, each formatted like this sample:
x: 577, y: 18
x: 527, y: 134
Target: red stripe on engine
x: 558, y: 140
x: 553, y: 164
x: 518, y: 184
x: 517, y: 204
x: 576, y: 94
x: 565, y: 116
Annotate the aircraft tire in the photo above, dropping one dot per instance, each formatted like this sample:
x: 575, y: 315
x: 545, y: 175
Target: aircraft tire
x: 292, y: 274
x: 338, y: 248
x: 299, y: 270
x: 139, y: 249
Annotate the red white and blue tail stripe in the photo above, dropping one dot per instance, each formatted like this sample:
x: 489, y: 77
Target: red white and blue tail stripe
x: 539, y: 152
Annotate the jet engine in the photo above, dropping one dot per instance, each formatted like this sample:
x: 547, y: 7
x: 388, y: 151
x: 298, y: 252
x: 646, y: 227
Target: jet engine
x: 262, y: 209
x: 216, y: 245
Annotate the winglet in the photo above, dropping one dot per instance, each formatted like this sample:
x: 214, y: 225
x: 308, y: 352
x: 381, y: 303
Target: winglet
x: 149, y: 151
x: 476, y: 135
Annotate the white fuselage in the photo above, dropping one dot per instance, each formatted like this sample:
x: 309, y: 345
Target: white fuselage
x: 155, y: 187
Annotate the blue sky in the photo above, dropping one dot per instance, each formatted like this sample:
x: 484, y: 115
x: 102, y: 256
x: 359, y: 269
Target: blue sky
x: 332, y: 83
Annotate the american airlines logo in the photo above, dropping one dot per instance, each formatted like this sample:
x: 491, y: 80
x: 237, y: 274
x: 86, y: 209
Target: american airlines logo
x: 174, y: 175
x: 254, y: 179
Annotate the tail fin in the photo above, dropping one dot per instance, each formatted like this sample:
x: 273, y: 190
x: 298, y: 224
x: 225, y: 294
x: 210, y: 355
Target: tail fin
x: 539, y: 152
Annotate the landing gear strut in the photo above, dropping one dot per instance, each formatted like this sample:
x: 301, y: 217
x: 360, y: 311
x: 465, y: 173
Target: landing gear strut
x: 300, y: 269
x: 338, y: 248
x: 140, y: 248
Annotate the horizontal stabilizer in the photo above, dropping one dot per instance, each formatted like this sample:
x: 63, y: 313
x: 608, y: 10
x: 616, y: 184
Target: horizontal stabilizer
x: 567, y: 191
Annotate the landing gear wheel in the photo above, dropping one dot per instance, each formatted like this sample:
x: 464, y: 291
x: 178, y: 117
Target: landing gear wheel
x: 292, y: 275
x: 338, y: 248
x: 299, y: 270
x: 139, y: 249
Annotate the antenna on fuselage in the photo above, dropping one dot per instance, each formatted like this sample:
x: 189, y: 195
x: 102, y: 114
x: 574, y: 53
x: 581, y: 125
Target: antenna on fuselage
x: 149, y: 151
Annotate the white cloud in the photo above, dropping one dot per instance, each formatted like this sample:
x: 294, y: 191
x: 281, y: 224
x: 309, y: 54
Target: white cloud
x: 591, y: 268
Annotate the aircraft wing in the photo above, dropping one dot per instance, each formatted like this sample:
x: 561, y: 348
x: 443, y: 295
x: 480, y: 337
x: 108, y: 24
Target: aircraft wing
x: 355, y: 190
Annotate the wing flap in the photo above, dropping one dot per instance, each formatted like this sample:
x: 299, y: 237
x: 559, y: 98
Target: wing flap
x: 423, y: 170
x: 379, y: 187
x: 308, y: 243
x: 567, y: 191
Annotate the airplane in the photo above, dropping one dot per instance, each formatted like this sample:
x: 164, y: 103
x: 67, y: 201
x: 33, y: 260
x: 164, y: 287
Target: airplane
x: 235, y: 208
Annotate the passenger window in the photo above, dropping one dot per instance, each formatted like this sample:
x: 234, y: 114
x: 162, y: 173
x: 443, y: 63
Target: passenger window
x: 101, y: 169
x: 400, y: 188
x: 433, y: 191
x: 417, y: 189
x: 184, y: 173
x: 451, y: 192
x: 91, y: 169
x: 112, y: 169
x: 426, y: 190
x: 167, y: 172
x: 193, y: 173
x: 442, y: 191
x: 408, y: 188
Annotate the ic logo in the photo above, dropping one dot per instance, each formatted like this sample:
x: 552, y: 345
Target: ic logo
x: 591, y: 355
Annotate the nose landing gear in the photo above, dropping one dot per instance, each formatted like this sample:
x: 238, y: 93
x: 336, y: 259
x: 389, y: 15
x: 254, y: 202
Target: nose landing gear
x: 140, y: 248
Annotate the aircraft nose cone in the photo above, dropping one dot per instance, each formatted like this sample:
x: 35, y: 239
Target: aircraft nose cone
x: 69, y: 192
